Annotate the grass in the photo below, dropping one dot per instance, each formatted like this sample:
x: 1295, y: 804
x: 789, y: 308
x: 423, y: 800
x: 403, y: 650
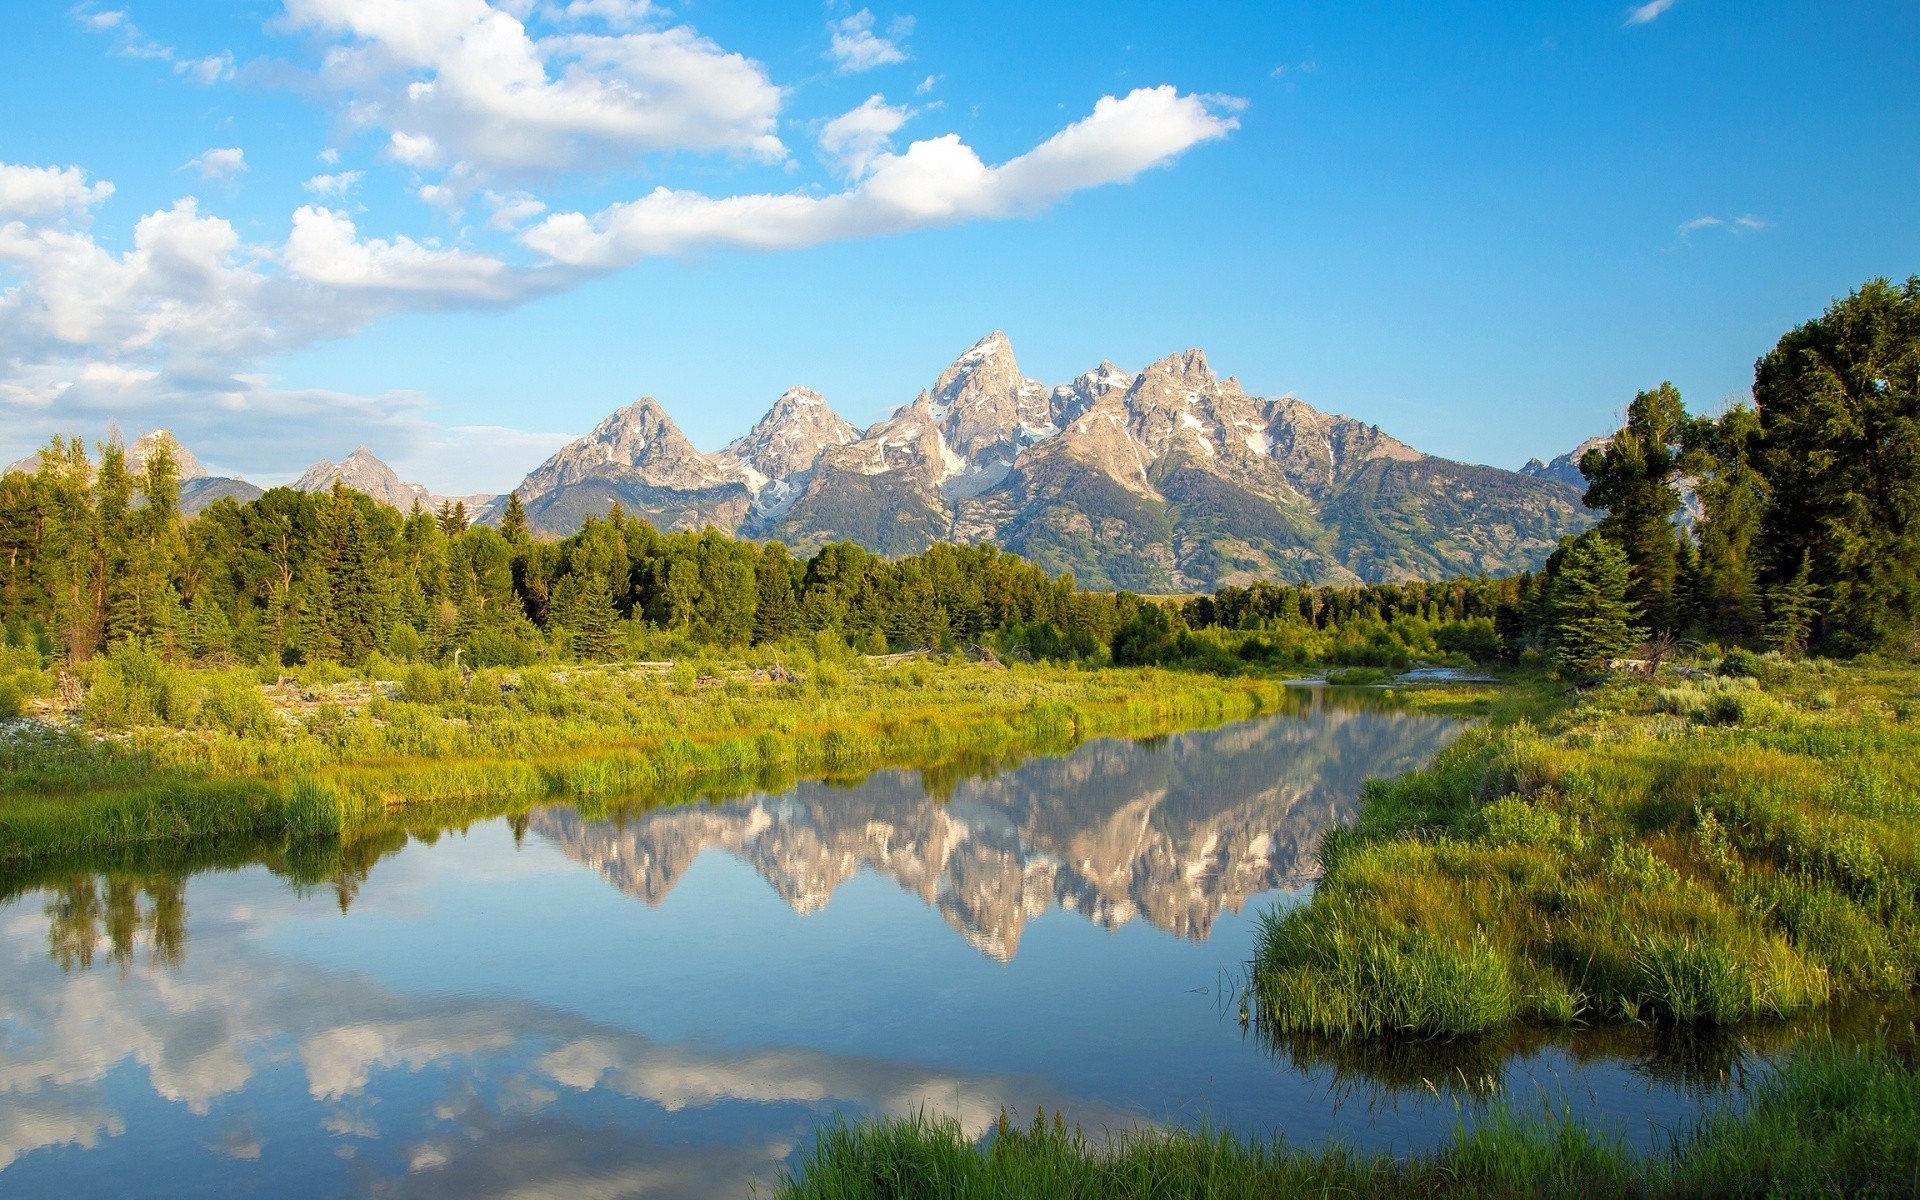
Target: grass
x: 1831, y: 1121
x: 1700, y: 850
x: 170, y: 754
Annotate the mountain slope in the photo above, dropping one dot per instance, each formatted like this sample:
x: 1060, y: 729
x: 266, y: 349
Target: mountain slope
x: 1172, y: 479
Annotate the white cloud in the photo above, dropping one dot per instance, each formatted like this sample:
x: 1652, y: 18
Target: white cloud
x: 926, y: 85
x: 333, y: 187
x: 130, y: 42
x: 935, y: 182
x: 223, y: 163
x: 615, y: 14
x: 47, y: 191
x: 855, y: 47
x: 1736, y: 226
x: 325, y: 248
x: 1649, y: 11
x: 460, y: 81
x: 512, y: 210
x: 853, y: 140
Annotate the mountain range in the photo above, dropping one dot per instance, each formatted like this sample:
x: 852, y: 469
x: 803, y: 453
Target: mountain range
x: 1171, y: 479
x: 1174, y: 833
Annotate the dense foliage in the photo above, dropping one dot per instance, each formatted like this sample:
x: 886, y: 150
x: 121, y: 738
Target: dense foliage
x: 97, y: 556
x: 1805, y: 528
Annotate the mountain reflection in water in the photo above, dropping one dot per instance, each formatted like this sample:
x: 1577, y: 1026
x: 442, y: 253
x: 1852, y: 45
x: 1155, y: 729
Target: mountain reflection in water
x: 1174, y: 830
x: 469, y: 1012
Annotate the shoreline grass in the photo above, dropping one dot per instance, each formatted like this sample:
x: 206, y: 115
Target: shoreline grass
x: 1701, y: 850
x: 1829, y: 1121
x: 462, y: 748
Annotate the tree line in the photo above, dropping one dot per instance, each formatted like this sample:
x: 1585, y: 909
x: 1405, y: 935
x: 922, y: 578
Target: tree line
x: 97, y: 554
x: 1794, y: 522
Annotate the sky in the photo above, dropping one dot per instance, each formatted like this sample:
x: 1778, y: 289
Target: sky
x: 462, y: 232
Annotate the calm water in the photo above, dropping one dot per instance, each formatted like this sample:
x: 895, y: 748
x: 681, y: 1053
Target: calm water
x: 667, y: 1003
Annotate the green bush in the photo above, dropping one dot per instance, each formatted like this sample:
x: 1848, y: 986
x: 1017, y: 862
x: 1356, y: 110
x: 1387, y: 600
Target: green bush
x: 1740, y: 664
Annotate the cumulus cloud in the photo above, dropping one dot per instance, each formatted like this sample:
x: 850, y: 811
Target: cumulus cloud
x: 1649, y: 11
x: 853, y: 140
x: 854, y: 47
x: 462, y: 81
x: 333, y: 186
x: 934, y: 182
x: 27, y: 192
x: 512, y: 210
x: 223, y: 163
x: 177, y: 323
x: 616, y: 14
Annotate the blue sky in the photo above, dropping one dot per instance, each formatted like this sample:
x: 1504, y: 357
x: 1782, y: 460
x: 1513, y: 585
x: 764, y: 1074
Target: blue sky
x: 461, y: 233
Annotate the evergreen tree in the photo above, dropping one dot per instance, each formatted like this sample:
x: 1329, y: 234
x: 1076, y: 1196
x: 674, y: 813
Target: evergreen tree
x: 513, y: 522
x: 1791, y: 611
x: 1733, y: 498
x: 1839, y: 405
x: 1590, y: 619
x: 1635, y: 481
x: 775, y: 615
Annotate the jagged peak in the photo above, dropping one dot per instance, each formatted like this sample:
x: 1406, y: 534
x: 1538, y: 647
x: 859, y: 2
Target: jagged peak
x: 1187, y: 366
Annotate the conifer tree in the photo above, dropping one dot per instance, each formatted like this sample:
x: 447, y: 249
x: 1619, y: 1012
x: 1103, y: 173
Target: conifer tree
x: 776, y: 615
x: 1792, y: 607
x: 513, y: 522
x: 1635, y: 481
x: 1590, y: 620
x: 1839, y: 406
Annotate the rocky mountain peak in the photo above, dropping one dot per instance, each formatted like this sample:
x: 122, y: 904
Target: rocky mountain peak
x: 788, y: 440
x: 1565, y: 468
x: 640, y: 443
x: 1072, y: 400
x: 363, y: 472
x: 986, y: 409
x: 185, y: 465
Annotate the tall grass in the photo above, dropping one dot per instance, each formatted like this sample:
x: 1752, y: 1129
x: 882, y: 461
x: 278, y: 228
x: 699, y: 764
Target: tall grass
x: 1830, y: 1122
x: 1707, y: 852
x: 503, y: 739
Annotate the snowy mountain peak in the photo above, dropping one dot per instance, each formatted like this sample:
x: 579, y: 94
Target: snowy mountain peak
x: 788, y: 440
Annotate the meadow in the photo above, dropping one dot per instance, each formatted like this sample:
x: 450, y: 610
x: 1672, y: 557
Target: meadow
x: 1699, y: 848
x: 165, y: 752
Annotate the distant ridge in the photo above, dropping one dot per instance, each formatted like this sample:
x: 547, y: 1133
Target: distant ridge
x: 1171, y: 479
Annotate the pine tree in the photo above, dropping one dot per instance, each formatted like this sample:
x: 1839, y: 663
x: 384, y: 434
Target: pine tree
x: 1839, y: 406
x: 1792, y: 607
x: 1590, y: 620
x: 776, y: 614
x: 1635, y: 481
x: 513, y: 522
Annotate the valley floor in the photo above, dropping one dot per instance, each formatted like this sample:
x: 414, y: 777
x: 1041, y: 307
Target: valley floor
x: 159, y: 753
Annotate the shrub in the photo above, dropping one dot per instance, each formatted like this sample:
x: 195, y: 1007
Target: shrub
x: 1740, y: 664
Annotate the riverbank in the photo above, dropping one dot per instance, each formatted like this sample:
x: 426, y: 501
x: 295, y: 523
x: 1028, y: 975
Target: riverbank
x: 162, y: 753
x: 1831, y: 1121
x: 1702, y: 848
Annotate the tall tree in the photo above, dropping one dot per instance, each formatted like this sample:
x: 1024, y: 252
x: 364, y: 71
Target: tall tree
x: 1635, y: 480
x: 1733, y: 495
x: 1590, y: 618
x: 1839, y: 401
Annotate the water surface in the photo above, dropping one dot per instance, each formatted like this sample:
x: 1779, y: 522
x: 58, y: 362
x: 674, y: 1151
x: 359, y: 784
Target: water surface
x: 667, y: 1002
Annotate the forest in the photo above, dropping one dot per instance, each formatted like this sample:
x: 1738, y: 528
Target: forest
x: 1789, y: 524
